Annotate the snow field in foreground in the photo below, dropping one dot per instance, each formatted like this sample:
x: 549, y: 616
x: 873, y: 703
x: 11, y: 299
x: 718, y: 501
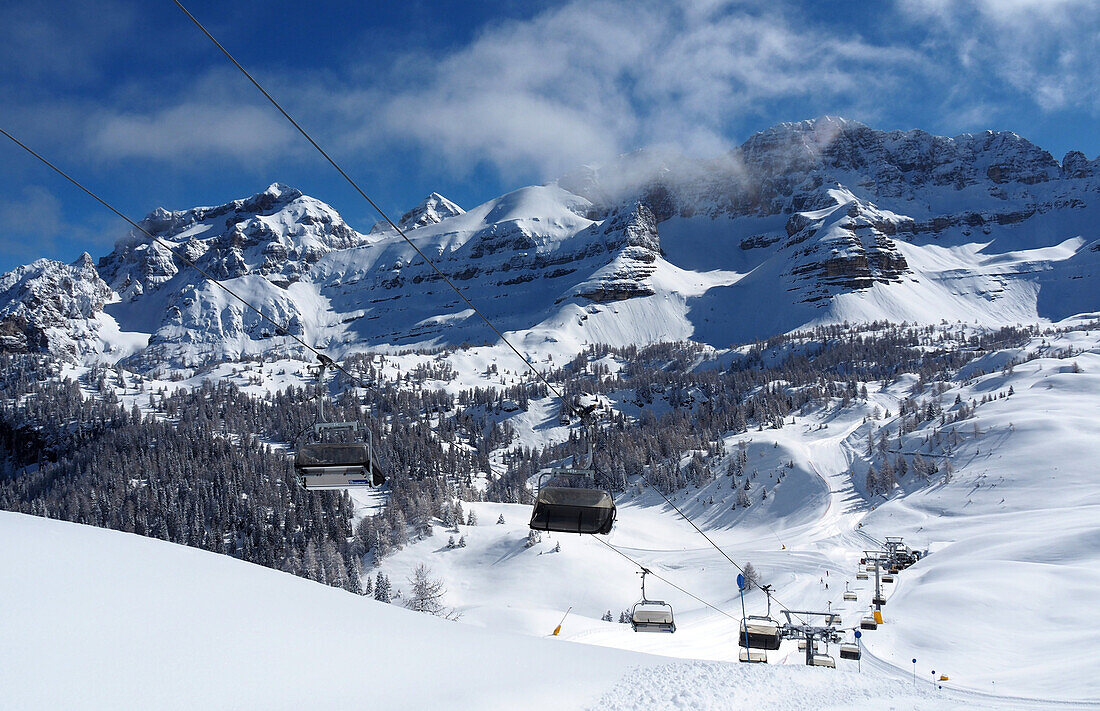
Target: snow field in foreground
x: 97, y: 619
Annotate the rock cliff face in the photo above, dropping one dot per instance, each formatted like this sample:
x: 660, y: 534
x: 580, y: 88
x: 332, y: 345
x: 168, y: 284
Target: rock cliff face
x: 278, y: 234
x: 808, y: 222
x: 52, y: 307
x: 844, y: 249
x: 631, y: 237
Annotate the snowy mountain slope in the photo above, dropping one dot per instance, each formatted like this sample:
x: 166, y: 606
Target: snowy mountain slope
x: 1014, y: 533
x: 999, y: 604
x: 98, y: 619
x: 433, y: 209
x: 814, y: 222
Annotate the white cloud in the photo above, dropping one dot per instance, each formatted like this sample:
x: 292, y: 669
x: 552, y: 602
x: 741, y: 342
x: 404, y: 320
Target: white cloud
x: 194, y: 131
x: 1043, y: 49
x: 34, y: 224
x: 589, y: 80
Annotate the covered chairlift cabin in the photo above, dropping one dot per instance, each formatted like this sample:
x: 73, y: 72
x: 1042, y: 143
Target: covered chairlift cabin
x: 752, y: 655
x: 760, y: 631
x: 569, y: 500
x: 336, y: 455
x: 651, y: 615
x: 347, y: 463
x: 573, y: 509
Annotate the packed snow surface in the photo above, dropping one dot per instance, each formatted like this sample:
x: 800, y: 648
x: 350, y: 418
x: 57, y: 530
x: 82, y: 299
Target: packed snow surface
x: 97, y: 619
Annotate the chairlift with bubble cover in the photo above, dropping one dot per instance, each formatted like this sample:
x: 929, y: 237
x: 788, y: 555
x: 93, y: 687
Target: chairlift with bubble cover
x: 336, y: 455
x: 760, y: 631
x: 570, y: 501
x: 651, y: 615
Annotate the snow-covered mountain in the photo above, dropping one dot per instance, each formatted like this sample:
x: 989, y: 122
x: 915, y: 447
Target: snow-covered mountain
x: 806, y: 223
x: 49, y: 305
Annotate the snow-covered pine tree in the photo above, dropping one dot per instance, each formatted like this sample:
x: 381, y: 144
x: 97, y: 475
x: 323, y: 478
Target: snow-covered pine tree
x: 382, y: 588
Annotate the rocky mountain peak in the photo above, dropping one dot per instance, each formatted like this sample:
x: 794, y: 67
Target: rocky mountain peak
x: 51, y: 307
x: 277, y: 233
x: 433, y: 209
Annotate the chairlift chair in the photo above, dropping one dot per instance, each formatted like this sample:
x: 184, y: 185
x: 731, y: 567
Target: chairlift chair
x: 849, y: 595
x: 849, y: 651
x: 651, y: 615
x: 763, y: 633
x: 565, y: 509
x: 861, y: 576
x: 868, y: 623
x: 335, y: 455
x: 348, y: 463
x: 887, y: 578
x: 802, y: 645
x: 823, y: 660
x: 880, y: 601
x: 752, y: 655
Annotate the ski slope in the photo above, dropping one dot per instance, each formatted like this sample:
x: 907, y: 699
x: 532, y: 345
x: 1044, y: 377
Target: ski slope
x: 97, y: 619
x: 1001, y: 605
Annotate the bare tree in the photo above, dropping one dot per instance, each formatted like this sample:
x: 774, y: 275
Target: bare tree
x: 427, y: 594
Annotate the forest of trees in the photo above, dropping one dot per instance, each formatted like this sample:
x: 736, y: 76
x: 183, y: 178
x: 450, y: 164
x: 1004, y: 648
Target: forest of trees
x: 209, y: 467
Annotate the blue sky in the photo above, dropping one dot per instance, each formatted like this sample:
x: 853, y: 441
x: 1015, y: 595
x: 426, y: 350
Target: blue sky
x: 474, y: 99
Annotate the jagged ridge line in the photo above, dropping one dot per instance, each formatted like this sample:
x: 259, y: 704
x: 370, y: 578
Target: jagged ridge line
x: 280, y: 329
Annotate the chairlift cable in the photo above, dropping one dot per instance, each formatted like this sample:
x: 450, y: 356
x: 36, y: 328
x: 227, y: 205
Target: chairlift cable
x: 703, y: 534
x: 281, y: 330
x: 666, y: 580
x: 378, y: 209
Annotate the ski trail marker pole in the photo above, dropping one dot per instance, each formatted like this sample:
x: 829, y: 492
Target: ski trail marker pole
x: 557, y: 629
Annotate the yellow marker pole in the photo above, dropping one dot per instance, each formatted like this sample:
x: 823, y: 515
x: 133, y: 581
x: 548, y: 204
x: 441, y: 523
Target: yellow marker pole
x: 557, y: 629
x: 878, y: 617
